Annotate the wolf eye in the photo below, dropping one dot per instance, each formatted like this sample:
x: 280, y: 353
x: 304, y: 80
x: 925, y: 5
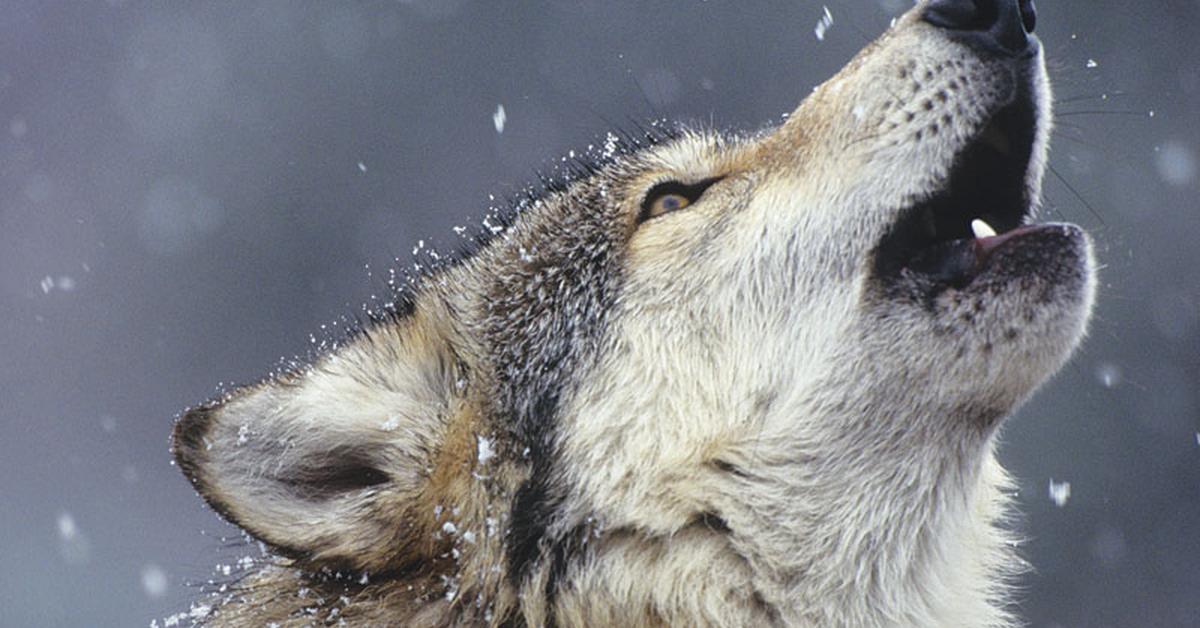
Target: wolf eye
x: 670, y: 196
x: 666, y: 203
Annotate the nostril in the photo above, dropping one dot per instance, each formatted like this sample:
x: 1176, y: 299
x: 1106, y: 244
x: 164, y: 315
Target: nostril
x: 1002, y: 24
x: 987, y: 13
x: 1028, y: 15
x: 957, y: 14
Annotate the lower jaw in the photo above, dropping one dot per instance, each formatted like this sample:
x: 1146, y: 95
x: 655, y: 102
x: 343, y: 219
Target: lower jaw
x: 957, y: 263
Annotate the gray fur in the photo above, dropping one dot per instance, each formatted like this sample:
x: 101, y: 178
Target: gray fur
x: 733, y: 414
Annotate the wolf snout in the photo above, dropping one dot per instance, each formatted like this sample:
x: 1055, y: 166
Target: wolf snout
x: 1003, y: 25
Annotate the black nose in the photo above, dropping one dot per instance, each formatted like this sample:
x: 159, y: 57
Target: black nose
x: 1005, y: 23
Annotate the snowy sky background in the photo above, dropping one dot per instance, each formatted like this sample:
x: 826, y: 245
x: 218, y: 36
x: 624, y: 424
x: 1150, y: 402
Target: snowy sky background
x: 188, y: 190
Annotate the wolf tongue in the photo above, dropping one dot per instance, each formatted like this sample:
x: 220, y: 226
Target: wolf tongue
x: 985, y: 246
x: 956, y: 262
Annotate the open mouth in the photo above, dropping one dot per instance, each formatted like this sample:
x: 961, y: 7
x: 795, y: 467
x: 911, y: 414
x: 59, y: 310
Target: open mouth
x: 948, y: 239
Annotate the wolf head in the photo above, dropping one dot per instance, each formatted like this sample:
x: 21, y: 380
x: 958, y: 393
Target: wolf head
x: 708, y: 379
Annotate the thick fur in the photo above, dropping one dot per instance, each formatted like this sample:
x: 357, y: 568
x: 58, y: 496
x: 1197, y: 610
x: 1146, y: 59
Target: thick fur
x: 723, y: 416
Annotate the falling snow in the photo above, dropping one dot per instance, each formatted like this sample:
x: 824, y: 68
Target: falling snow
x: 1109, y: 375
x: 499, y: 118
x: 1176, y: 163
x: 73, y: 543
x: 154, y: 580
x: 611, y: 142
x: 63, y: 283
x: 67, y: 529
x: 485, y: 449
x: 823, y: 24
x: 1060, y: 492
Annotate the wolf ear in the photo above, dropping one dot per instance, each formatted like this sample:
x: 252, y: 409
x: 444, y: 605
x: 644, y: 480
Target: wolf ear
x: 330, y: 464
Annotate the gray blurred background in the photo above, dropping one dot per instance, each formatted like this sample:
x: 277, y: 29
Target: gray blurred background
x: 188, y: 190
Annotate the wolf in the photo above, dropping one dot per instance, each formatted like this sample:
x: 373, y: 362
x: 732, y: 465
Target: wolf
x: 700, y: 380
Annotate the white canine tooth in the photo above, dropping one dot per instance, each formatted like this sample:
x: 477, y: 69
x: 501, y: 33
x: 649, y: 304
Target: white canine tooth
x: 982, y: 229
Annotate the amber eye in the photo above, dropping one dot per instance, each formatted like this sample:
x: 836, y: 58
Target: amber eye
x: 671, y: 196
x: 666, y: 204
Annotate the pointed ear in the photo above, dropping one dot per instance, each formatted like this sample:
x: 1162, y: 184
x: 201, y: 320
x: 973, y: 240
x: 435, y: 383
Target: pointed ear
x: 330, y: 464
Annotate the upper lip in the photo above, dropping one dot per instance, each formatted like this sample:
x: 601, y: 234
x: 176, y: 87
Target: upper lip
x: 988, y: 182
